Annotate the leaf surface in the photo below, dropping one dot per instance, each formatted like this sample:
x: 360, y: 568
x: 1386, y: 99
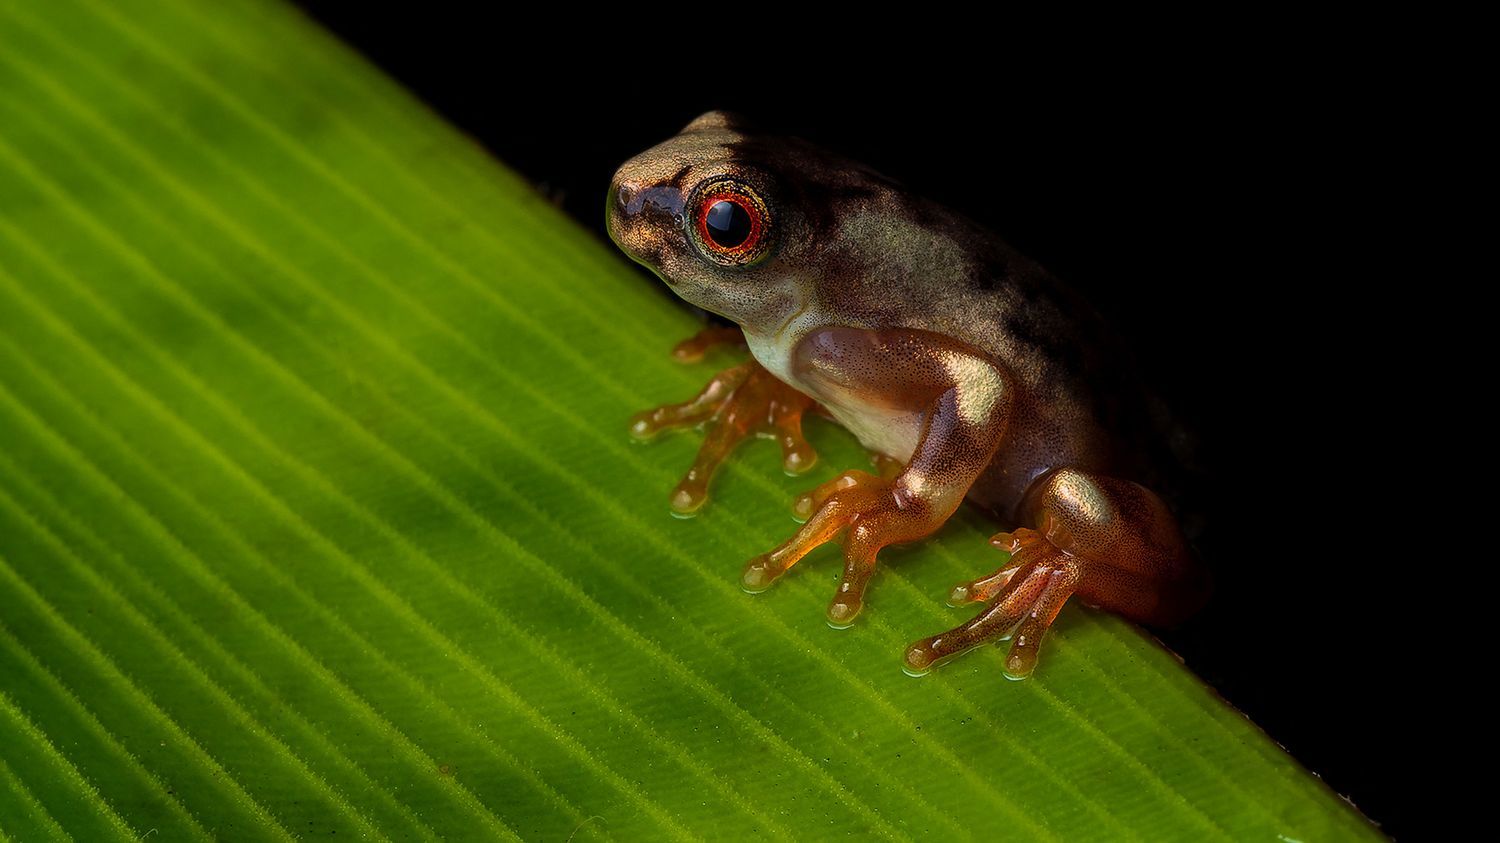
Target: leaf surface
x: 318, y: 515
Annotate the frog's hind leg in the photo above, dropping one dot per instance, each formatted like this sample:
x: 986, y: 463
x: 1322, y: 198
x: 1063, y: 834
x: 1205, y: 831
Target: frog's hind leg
x: 988, y: 587
x: 1025, y: 596
x: 1112, y: 542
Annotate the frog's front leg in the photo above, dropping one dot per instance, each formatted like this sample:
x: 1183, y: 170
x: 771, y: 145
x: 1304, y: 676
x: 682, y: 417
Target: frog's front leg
x: 693, y: 349
x: 961, y: 402
x: 739, y: 402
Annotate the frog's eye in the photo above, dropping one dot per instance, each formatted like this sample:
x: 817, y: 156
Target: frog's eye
x: 730, y: 223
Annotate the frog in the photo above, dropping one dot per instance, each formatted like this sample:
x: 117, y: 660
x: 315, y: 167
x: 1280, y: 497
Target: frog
x: 968, y: 371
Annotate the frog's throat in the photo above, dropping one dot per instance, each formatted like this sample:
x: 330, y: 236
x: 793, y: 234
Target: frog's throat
x: 787, y: 323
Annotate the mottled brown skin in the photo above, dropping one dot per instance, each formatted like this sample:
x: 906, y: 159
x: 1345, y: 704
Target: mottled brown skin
x: 966, y: 367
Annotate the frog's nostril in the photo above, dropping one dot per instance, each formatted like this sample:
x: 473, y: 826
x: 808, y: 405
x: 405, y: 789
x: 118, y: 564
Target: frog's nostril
x: 624, y: 193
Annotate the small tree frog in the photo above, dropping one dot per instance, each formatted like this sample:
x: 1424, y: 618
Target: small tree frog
x: 968, y: 369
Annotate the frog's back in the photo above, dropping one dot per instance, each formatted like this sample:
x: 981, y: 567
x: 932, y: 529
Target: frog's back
x: 886, y: 257
x: 1085, y: 404
x: 1082, y: 403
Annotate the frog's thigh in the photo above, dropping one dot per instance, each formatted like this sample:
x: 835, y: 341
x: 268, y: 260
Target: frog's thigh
x: 1135, y: 558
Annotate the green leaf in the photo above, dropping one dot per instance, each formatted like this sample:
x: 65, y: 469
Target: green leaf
x: 318, y: 514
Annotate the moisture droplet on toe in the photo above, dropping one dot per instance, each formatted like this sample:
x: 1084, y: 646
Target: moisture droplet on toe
x: 918, y: 659
x: 841, y: 615
x: 799, y: 461
x: 687, y: 502
x: 641, y: 429
x: 756, y: 577
x: 1019, y: 667
x: 802, y: 508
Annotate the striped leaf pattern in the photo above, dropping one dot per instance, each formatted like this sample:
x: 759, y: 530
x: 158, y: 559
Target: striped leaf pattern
x: 318, y: 516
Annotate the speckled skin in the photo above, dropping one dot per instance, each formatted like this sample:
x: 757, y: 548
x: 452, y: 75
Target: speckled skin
x: 940, y: 348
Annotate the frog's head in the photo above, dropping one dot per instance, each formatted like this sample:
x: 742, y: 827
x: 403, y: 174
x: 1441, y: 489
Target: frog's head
x: 734, y: 221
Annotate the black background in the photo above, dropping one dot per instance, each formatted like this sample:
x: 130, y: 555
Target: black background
x: 1187, y: 191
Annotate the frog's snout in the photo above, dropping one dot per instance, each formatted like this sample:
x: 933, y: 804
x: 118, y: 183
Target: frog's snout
x: 624, y: 193
x: 633, y: 204
x: 643, y: 219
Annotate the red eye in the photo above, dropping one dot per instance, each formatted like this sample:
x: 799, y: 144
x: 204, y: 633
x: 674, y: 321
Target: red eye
x: 731, y: 224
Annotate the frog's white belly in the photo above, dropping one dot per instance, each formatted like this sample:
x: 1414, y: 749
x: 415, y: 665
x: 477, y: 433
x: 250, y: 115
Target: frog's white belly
x: 890, y: 432
x: 881, y: 429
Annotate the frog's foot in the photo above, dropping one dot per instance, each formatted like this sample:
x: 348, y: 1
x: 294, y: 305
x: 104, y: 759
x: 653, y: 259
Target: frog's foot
x: 984, y: 589
x: 1110, y: 541
x: 806, y: 503
x: 694, y: 348
x: 871, y: 512
x: 739, y: 402
x: 1025, y: 596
